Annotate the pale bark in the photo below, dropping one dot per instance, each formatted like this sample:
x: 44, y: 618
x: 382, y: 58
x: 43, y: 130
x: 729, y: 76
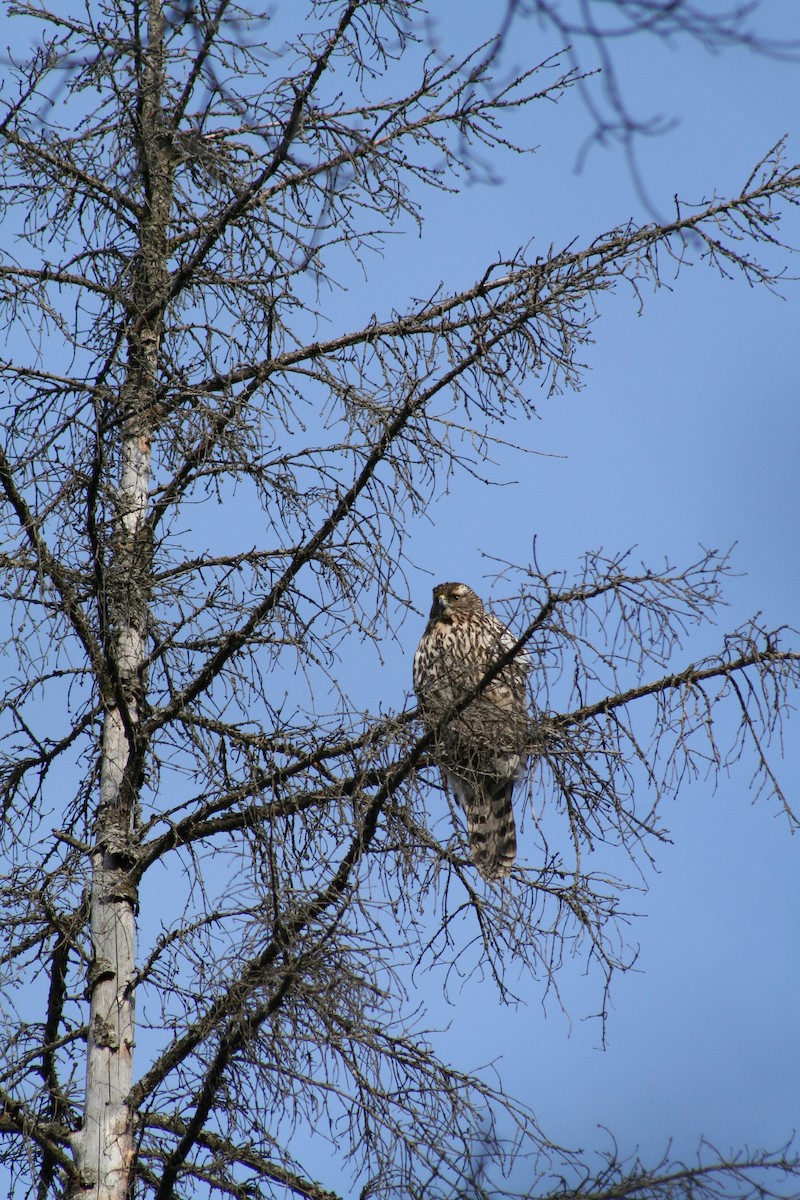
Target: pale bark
x: 105, y: 1149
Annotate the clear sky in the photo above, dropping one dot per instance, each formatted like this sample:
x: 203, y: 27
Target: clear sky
x: 686, y: 433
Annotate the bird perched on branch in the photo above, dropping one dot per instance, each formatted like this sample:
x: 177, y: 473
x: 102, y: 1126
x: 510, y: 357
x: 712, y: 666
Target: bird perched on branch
x: 479, y: 718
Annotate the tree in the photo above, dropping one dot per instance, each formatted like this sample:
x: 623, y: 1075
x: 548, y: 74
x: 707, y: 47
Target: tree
x: 179, y: 721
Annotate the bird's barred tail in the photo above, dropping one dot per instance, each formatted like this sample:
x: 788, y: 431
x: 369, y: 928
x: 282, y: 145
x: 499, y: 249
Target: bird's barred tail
x: 492, y: 834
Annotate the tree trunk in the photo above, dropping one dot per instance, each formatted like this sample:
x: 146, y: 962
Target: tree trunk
x: 105, y: 1149
x: 106, y: 1146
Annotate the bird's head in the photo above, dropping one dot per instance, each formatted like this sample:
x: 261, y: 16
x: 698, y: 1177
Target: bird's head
x: 450, y: 599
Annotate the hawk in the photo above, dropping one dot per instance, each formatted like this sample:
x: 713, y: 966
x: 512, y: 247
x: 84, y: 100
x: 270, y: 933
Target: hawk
x: 481, y: 748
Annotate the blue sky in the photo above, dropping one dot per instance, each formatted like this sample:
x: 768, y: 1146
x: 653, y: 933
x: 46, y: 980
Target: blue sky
x: 686, y: 432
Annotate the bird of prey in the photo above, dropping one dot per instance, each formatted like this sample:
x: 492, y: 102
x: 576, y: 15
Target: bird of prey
x: 481, y: 726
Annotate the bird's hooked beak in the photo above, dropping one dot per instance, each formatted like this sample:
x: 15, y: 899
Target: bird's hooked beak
x: 439, y: 607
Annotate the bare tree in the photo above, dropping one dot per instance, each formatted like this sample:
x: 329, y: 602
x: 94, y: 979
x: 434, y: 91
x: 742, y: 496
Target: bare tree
x: 211, y: 853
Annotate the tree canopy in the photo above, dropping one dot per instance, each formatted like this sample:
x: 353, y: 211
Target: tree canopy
x: 227, y: 862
